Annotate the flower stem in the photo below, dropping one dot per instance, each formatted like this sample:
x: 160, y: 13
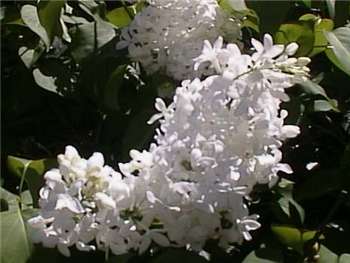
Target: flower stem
x: 131, y: 15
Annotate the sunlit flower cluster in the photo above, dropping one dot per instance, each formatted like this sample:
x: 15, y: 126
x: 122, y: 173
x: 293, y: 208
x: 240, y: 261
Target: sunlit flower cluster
x: 168, y: 34
x: 216, y: 141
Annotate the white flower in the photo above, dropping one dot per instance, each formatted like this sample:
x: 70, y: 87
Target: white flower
x: 168, y: 34
x: 267, y: 50
x: 311, y: 165
x: 165, y: 112
x: 247, y: 224
x: 66, y: 201
x: 152, y: 235
x: 210, y: 54
x: 104, y: 201
x: 218, y: 138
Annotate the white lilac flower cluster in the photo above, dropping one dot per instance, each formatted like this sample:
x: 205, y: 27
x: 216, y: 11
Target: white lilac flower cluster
x: 167, y: 34
x: 217, y: 139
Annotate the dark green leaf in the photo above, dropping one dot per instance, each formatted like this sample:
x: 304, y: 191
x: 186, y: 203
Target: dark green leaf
x: 120, y: 258
x: 317, y: 184
x: 111, y: 90
x: 264, y: 256
x: 321, y: 182
x: 335, y: 233
x: 138, y: 133
x: 11, y: 15
x: 88, y: 38
x: 307, y: 3
x: 287, y: 204
x: 269, y: 251
x: 49, y: 15
x: 271, y: 15
x: 174, y: 255
x: 251, y: 20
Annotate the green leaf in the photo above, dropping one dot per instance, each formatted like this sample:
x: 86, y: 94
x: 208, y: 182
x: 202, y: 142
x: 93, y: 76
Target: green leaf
x: 15, y: 246
x: 2, y: 12
x: 93, y: 8
x: 26, y: 200
x: 88, y: 38
x: 335, y: 233
x: 286, y: 202
x: 237, y: 5
x: 120, y: 258
x: 340, y: 40
x: 31, y: 171
x: 301, y: 32
x: 320, y: 26
x: 331, y: 7
x: 321, y: 182
x: 173, y: 255
x: 49, y: 14
x: 292, y: 237
x: 320, y: 40
x: 312, y: 88
x: 264, y: 255
x: 332, y: 57
x: 30, y: 17
x: 327, y: 256
x: 251, y: 20
x: 344, y: 258
x: 307, y: 3
x: 324, y: 105
x: 119, y: 17
x: 237, y: 9
x: 138, y: 133
x: 111, y: 90
x: 30, y: 56
x: 46, y: 82
x: 11, y: 15
x: 269, y: 251
x: 271, y: 15
x: 9, y: 201
x: 317, y: 184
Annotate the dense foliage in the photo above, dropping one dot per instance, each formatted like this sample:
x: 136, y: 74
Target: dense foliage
x: 64, y: 82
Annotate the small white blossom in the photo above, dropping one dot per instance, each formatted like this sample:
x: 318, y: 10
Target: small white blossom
x: 168, y: 34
